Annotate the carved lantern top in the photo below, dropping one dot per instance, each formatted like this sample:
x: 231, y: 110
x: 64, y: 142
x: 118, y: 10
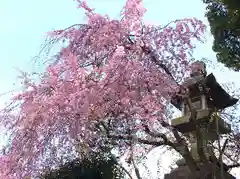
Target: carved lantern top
x: 198, y: 68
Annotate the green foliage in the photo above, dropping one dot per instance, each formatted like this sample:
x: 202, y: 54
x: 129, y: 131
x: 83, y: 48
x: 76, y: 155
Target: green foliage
x: 96, y: 167
x: 224, y: 20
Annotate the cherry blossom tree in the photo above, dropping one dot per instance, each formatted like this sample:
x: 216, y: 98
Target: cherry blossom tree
x: 114, y: 78
x: 4, y: 163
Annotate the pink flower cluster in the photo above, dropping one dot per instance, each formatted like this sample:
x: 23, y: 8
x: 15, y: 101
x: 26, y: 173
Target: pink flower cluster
x: 109, y: 68
x: 4, y: 167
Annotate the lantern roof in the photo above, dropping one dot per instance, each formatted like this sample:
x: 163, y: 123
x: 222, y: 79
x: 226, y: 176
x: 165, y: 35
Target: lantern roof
x: 202, y: 84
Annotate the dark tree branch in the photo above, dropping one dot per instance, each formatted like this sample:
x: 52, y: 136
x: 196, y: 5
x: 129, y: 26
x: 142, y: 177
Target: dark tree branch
x: 123, y: 168
x: 129, y: 137
x: 159, y: 135
x: 183, y: 150
x: 223, y: 149
x: 132, y: 159
x: 228, y: 156
x: 222, y: 165
x: 154, y: 58
x: 232, y: 166
x: 143, y: 141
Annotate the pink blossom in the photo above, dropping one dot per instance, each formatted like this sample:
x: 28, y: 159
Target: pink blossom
x: 110, y: 69
x: 83, y: 4
x: 5, y: 167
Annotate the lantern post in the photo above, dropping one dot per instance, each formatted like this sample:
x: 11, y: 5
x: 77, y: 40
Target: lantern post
x: 207, y: 98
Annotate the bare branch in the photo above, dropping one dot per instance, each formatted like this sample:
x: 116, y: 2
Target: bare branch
x: 223, y: 149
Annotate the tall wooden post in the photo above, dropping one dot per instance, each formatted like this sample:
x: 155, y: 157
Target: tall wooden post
x: 207, y: 98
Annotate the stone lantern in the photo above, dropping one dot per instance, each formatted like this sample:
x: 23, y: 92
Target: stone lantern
x: 208, y: 98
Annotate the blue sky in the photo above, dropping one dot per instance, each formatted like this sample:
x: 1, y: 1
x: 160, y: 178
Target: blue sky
x: 22, y: 32
x: 24, y: 24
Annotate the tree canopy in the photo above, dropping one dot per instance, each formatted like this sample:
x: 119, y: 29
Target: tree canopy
x: 95, y: 166
x: 224, y: 19
x: 109, y: 86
